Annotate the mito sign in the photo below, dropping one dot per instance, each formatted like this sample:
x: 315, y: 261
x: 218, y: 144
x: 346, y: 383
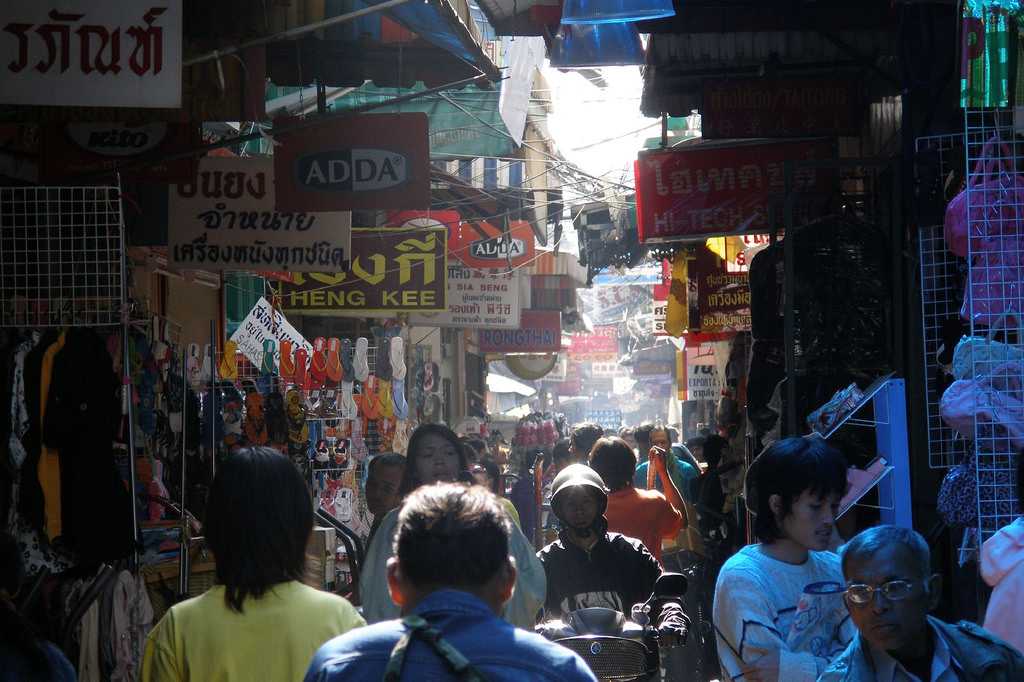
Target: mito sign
x: 370, y: 161
x: 352, y: 170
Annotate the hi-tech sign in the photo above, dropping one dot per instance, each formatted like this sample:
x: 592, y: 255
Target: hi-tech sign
x: 371, y: 161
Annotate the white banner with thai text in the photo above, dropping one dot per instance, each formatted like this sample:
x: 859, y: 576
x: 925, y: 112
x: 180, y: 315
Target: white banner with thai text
x: 477, y: 300
x: 225, y: 220
x: 263, y: 324
x: 101, y: 53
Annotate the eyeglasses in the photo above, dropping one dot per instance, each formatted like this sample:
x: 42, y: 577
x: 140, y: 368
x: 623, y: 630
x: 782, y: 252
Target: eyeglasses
x: 894, y: 590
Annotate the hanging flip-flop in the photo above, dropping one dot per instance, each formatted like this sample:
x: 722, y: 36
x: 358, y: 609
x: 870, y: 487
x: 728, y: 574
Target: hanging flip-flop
x: 301, y: 376
x: 334, y: 369
x: 362, y: 363
x: 369, y: 403
x: 318, y: 363
x: 430, y: 377
x: 398, y: 369
x: 255, y: 425
x: 228, y: 367
x: 298, y: 429
x: 193, y: 366
x: 382, y: 366
x: 286, y: 365
x: 347, y: 403
x: 265, y: 382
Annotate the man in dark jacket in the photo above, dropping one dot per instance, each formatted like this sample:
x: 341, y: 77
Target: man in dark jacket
x: 889, y: 591
x: 588, y: 566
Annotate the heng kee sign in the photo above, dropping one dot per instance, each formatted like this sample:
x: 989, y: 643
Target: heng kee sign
x: 709, y: 190
x: 110, y: 53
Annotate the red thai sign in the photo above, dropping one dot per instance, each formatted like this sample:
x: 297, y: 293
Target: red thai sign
x: 480, y: 244
x: 71, y: 149
x: 787, y: 107
x: 708, y: 190
x: 370, y: 161
x: 105, y: 53
x: 540, y: 331
x: 602, y: 344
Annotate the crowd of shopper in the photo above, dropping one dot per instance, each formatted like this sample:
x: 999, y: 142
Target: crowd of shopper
x: 452, y: 588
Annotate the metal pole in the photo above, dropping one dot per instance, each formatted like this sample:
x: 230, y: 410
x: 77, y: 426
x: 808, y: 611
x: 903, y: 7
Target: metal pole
x: 183, y: 550
x: 213, y: 396
x: 789, y: 301
x: 293, y: 32
x: 126, y: 388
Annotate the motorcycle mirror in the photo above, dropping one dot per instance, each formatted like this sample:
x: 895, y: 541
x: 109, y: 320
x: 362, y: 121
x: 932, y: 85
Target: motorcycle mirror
x: 670, y: 585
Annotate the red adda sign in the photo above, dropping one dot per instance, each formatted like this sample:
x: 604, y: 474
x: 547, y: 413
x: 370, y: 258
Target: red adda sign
x: 706, y: 190
x: 369, y: 161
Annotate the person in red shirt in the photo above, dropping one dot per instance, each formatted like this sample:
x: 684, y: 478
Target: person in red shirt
x: 647, y: 515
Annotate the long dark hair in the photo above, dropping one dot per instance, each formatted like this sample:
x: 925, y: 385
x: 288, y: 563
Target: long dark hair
x: 15, y: 630
x: 410, y: 479
x: 259, y: 517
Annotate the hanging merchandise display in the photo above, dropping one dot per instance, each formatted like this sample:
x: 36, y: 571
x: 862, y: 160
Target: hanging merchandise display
x: 986, y: 41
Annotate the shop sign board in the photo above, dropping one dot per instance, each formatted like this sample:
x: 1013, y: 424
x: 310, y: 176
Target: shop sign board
x: 393, y: 270
x: 705, y: 370
x: 262, y: 323
x: 780, y: 107
x: 481, y: 244
x: 369, y: 161
x: 707, y: 190
x: 102, y: 53
x: 723, y: 297
x: 602, y: 344
x: 71, y: 149
x: 540, y: 331
x: 477, y: 300
x: 224, y: 219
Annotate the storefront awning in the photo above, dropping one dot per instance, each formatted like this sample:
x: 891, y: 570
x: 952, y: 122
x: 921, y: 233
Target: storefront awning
x: 497, y: 383
x: 551, y: 263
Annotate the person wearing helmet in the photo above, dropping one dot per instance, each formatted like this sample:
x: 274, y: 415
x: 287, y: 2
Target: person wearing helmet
x: 587, y: 566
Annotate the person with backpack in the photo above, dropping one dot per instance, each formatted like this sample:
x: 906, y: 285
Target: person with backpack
x: 451, y: 576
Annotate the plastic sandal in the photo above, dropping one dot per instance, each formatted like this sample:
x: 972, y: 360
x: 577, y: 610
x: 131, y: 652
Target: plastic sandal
x: 398, y: 369
x: 301, y: 376
x: 401, y: 407
x: 228, y: 367
x: 267, y: 364
x: 318, y: 363
x: 387, y: 407
x: 286, y: 364
x: 334, y: 369
x: 347, y: 367
x: 382, y: 367
x: 362, y: 365
x: 206, y: 368
x: 347, y: 402
x: 255, y: 425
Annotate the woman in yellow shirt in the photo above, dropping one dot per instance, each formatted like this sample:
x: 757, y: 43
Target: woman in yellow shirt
x: 259, y: 622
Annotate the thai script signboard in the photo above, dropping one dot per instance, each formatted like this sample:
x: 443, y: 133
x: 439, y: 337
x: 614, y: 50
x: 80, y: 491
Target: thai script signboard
x: 370, y: 161
x: 225, y: 220
x: 708, y: 190
x: 109, y: 53
x: 477, y: 300
x: 392, y: 270
x: 780, y: 107
x: 723, y: 297
x: 262, y: 323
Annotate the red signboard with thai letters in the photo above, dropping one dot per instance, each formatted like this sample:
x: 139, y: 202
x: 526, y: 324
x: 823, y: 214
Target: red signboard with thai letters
x: 707, y: 190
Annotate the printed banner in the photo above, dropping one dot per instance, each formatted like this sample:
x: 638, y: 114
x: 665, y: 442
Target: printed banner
x: 723, y: 297
x: 369, y: 161
x: 480, y: 244
x: 780, y: 107
x: 264, y: 323
x: 101, y: 53
x: 705, y: 370
x: 72, y: 149
x: 540, y: 331
x: 225, y: 220
x: 477, y: 300
x: 393, y: 270
x: 709, y: 190
x: 603, y: 344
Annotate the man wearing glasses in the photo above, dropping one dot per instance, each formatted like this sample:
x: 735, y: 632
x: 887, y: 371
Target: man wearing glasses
x: 890, y: 590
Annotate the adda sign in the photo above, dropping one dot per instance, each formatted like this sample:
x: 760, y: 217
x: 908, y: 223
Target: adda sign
x: 369, y: 161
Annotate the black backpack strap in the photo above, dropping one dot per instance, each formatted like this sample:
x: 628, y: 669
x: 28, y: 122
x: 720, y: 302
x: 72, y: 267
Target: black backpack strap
x: 416, y: 626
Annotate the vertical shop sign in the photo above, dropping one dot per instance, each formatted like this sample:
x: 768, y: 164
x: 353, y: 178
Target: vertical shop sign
x: 477, y: 300
x: 100, y: 53
x: 369, y: 161
x: 723, y: 297
x: 540, y: 331
x: 780, y: 107
x: 224, y: 219
x: 392, y: 270
x: 710, y: 190
x: 705, y: 370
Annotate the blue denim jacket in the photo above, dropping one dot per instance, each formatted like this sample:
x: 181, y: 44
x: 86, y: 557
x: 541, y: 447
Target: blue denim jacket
x: 498, y: 650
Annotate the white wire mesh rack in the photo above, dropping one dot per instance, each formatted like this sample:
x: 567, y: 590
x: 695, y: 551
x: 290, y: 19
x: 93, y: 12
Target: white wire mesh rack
x: 994, y: 302
x: 942, y: 275
x: 60, y: 256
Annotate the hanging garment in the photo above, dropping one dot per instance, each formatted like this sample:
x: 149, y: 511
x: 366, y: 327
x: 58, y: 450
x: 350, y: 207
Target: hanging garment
x: 49, y: 459
x: 30, y: 496
x: 132, y: 619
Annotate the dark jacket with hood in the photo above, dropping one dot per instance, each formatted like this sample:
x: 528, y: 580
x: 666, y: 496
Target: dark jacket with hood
x: 617, y: 572
x: 977, y: 655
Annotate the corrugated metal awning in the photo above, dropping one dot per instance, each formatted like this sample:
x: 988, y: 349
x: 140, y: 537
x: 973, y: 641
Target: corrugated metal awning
x: 551, y: 263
